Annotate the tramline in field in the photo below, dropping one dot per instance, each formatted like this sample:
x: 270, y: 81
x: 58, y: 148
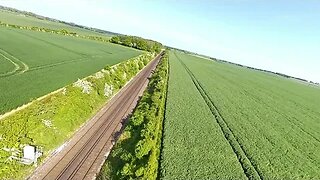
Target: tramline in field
x: 11, y: 65
x: 268, y: 124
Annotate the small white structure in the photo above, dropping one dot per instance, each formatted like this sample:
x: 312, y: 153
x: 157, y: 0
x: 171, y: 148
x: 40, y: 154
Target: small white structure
x: 29, y: 152
x: 30, y: 155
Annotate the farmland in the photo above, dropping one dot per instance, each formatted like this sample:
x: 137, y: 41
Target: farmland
x: 193, y: 145
x: 36, y: 63
x: 229, y: 122
x: 27, y: 20
x: 198, y: 118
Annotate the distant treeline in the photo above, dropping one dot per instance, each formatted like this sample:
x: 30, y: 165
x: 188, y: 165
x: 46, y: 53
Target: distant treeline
x: 55, y: 31
x: 137, y: 42
x: 55, y: 20
x: 130, y: 41
x: 267, y: 71
x: 257, y: 69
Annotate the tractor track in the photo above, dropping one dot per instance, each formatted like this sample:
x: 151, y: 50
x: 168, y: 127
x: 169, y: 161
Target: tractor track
x: 20, y: 66
x: 250, y: 169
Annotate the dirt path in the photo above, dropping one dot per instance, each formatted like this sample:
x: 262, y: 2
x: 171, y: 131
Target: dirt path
x: 84, y: 154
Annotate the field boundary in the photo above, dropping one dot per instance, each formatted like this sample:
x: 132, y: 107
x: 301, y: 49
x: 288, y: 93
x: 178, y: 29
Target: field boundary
x: 2, y: 116
x: 250, y: 169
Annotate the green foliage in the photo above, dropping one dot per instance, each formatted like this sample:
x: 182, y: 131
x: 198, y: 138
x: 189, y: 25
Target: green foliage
x: 241, y: 123
x: 137, y: 152
x: 65, y: 111
x: 137, y: 42
x: 51, y: 61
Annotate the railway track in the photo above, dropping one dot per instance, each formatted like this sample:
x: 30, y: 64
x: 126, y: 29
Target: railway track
x: 84, y: 154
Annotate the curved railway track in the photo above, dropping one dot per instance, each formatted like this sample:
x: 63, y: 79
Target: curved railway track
x: 84, y: 154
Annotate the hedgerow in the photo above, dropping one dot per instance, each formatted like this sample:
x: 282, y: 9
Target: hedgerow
x: 137, y: 151
x: 55, y: 31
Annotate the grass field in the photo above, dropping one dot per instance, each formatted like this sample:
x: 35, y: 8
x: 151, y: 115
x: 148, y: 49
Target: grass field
x: 23, y: 20
x: 228, y: 122
x: 36, y: 63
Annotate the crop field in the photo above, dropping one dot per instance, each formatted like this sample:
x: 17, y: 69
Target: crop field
x: 23, y: 20
x: 229, y: 122
x: 193, y: 145
x: 33, y: 64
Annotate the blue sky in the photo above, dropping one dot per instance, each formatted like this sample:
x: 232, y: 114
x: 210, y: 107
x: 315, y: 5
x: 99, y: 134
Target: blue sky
x: 277, y: 35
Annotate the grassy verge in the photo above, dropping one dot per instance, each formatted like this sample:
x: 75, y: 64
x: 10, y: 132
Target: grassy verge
x: 47, y: 123
x: 136, y: 153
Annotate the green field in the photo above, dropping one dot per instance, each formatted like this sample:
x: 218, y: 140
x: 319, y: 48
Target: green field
x: 6, y: 65
x: 229, y: 122
x: 36, y: 63
x: 24, y: 20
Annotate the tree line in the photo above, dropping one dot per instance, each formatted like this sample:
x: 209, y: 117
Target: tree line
x: 137, y: 42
